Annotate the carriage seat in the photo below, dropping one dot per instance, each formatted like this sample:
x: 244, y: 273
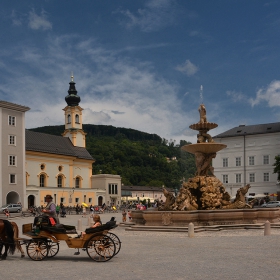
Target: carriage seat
x: 109, y: 225
x: 60, y: 228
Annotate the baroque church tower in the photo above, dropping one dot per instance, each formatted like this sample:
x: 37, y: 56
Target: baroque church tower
x: 73, y: 117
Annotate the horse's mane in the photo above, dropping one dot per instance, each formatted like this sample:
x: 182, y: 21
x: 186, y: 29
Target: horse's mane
x: 10, y: 236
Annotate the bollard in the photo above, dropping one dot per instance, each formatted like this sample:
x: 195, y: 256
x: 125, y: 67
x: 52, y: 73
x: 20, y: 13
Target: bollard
x: 191, y: 230
x: 267, y: 228
x: 79, y: 227
x: 89, y: 221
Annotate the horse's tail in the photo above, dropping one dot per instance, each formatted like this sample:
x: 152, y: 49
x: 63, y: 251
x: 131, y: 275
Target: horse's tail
x: 16, y: 234
x: 10, y: 236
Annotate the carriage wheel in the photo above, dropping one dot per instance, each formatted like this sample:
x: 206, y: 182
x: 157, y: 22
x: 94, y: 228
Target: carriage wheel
x: 53, y: 248
x: 116, y: 241
x: 101, y: 248
x: 37, y: 250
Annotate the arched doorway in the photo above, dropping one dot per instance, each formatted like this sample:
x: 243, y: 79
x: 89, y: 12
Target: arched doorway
x: 12, y: 197
x: 31, y: 200
x: 100, y: 201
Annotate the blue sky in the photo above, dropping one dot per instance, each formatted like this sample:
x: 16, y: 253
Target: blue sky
x: 140, y: 64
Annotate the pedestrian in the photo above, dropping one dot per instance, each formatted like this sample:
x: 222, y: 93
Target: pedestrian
x: 91, y: 209
x: 77, y: 209
x: 57, y: 208
x: 124, y: 216
x: 84, y: 212
x: 129, y: 216
x: 7, y: 213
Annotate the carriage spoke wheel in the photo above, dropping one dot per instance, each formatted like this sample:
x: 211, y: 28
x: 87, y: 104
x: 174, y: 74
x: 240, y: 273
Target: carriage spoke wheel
x: 101, y: 248
x: 37, y: 250
x: 53, y: 248
x: 116, y: 241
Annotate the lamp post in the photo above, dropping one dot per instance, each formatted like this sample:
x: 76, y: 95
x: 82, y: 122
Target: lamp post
x: 71, y: 193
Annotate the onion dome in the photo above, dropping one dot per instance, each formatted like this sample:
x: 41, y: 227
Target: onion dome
x: 72, y: 99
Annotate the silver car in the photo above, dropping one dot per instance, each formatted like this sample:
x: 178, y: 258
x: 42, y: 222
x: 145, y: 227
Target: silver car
x: 271, y: 204
x: 12, y: 208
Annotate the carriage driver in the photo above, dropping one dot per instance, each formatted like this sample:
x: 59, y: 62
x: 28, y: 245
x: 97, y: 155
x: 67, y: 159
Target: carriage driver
x: 50, y: 209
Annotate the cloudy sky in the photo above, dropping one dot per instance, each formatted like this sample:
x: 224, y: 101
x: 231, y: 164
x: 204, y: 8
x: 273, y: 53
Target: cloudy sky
x: 140, y: 64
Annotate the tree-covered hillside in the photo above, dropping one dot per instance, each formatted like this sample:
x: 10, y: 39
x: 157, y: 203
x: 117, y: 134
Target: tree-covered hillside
x: 139, y: 158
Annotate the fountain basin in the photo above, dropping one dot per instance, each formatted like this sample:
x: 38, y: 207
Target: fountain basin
x: 203, y: 126
x: 206, y: 217
x: 206, y: 148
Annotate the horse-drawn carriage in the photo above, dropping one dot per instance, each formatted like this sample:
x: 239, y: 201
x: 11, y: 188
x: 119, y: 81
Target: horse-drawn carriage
x: 100, y: 244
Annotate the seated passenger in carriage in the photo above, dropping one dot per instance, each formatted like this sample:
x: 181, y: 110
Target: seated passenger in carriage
x: 97, y: 223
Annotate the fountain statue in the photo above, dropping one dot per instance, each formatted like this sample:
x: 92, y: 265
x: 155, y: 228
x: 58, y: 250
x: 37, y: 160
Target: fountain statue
x: 204, y: 191
x: 203, y: 199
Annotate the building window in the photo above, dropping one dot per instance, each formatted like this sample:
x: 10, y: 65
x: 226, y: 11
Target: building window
x: 113, y: 189
x: 12, y: 178
x: 42, y: 180
x: 12, y: 140
x: 237, y: 178
x: 62, y: 199
x: 266, y: 159
x: 12, y: 120
x: 42, y: 166
x: 266, y: 177
x: 77, y: 183
x: 59, y: 181
x: 251, y: 160
x: 225, y: 179
x: 60, y: 168
x: 12, y: 160
x: 225, y: 162
x: 251, y: 177
x: 76, y: 200
x: 68, y: 119
x: 238, y: 161
x: 90, y: 200
x: 77, y: 119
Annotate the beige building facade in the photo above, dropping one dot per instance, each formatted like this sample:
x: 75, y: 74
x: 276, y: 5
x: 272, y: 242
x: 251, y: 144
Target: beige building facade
x: 35, y: 164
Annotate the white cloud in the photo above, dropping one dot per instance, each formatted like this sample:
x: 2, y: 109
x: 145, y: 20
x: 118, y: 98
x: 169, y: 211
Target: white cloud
x: 187, y: 68
x: 270, y: 94
x: 114, y: 90
x: 15, y: 19
x: 155, y: 15
x: 37, y: 22
x: 236, y: 96
x: 90, y: 117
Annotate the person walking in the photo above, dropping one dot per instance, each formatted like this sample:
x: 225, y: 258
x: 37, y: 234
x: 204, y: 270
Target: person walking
x: 7, y: 213
x: 57, y: 209
x: 124, y: 216
x: 84, y: 212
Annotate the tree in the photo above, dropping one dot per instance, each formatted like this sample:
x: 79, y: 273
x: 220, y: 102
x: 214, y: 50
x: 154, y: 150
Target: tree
x: 277, y: 167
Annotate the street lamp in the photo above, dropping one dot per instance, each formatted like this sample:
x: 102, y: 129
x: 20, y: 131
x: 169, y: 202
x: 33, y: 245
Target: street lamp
x: 71, y: 193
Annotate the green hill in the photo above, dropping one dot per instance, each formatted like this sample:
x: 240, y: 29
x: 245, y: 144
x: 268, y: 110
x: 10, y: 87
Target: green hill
x: 140, y: 158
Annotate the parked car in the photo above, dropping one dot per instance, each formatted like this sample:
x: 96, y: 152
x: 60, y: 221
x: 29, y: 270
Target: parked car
x: 271, y: 204
x: 12, y: 208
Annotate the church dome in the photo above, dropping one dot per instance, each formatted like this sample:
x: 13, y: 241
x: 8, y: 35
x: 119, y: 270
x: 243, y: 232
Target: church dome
x: 72, y: 99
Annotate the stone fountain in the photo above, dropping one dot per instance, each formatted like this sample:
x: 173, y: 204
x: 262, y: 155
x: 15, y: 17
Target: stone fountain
x: 203, y: 199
